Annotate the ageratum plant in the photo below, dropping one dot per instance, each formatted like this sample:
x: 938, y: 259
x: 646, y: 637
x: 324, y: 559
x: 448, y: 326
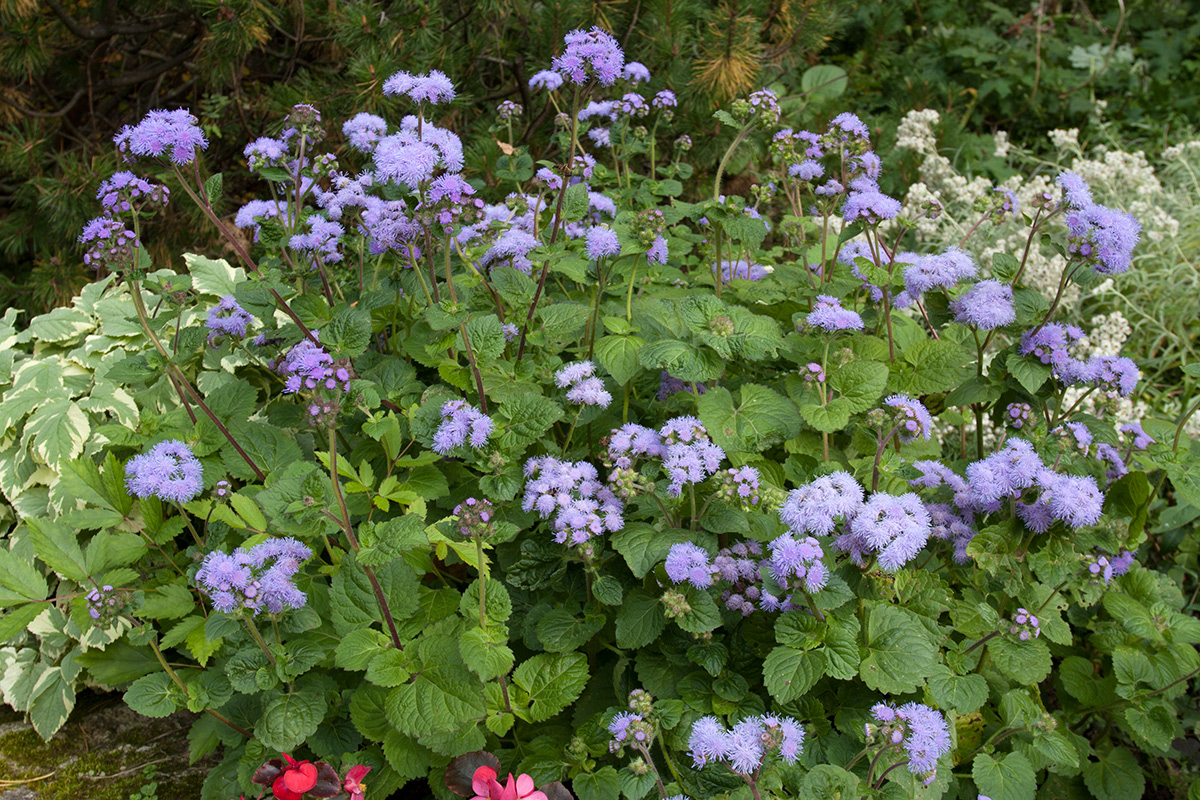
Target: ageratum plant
x: 547, y: 466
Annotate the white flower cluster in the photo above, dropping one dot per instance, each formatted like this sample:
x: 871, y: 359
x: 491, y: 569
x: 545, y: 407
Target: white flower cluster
x: 916, y: 131
x: 1003, y: 145
x: 1065, y: 140
x: 1184, y: 150
x: 1106, y: 338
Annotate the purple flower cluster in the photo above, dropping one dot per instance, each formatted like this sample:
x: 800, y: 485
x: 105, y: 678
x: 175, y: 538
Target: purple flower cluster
x: 1106, y: 568
x: 104, y: 605
x: 582, y: 385
x: 581, y: 505
x: 817, y: 506
x: 1141, y: 439
x: 110, y: 244
x: 433, y: 87
x: 163, y: 134
x: 738, y: 486
x: 629, y: 728
x: 1014, y: 472
x: 630, y: 441
x: 308, y: 366
x: 942, y: 271
x: 168, y: 470
x: 892, y: 528
x: 742, y: 270
x: 912, y: 419
x: 124, y: 190
x: 602, y: 242
x: 796, y: 565
x: 1017, y: 414
x: 227, y: 318
x: 986, y: 305
x: 590, y: 54
x: 1025, y: 625
x: 321, y: 240
x: 920, y: 731
x: 690, y: 455
x: 364, y: 131
x: 746, y: 746
x: 1052, y: 344
x: 669, y: 385
x: 828, y: 315
x: 265, y: 152
x: 256, y: 579
x: 462, y: 423
x: 1101, y: 237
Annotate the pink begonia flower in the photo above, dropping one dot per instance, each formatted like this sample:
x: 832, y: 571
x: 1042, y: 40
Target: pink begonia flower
x: 486, y: 787
x: 353, y: 785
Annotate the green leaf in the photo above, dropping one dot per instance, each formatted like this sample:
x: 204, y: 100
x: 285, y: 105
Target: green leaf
x: 20, y: 579
x: 151, y: 695
x: 53, y: 699
x: 763, y: 417
x: 827, y: 782
x: 16, y: 619
x: 214, y: 187
x: 619, y: 356
x: 963, y: 693
x: 1031, y: 374
x: 348, y: 333
x: 1004, y: 267
x: 1009, y: 777
x: 213, y: 277
x: 56, y: 545
x: 352, y: 598
x: 56, y: 431
x: 934, y: 365
x: 524, y: 418
x: 1027, y: 663
x: 789, y: 673
x: 829, y: 418
x: 249, y: 511
x: 485, y: 652
x: 1116, y: 776
x: 289, y: 719
x: 560, y: 631
x: 551, y: 681
x: 487, y: 338
x: 859, y: 383
x: 898, y: 654
x: 824, y: 82
x: 681, y: 360
x: 640, y: 621
x: 644, y: 546
x: 443, y: 697
x: 170, y: 601
x: 603, y: 784
x: 270, y: 448
x: 1155, y: 725
x: 703, y: 616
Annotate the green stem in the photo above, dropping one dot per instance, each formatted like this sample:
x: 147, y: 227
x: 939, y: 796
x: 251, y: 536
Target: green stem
x: 259, y: 639
x: 482, y: 584
x: 380, y: 598
x: 171, y: 674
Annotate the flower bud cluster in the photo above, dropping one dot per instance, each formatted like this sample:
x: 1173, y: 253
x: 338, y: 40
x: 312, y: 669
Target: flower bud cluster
x: 105, y: 604
x: 475, y: 518
x: 1025, y: 625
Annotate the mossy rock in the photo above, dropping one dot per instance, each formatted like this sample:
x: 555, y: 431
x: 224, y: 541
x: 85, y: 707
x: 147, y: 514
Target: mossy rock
x: 103, y: 752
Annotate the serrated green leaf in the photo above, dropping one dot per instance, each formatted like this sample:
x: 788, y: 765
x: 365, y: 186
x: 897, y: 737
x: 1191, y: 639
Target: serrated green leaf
x: 640, y: 621
x: 1116, y: 776
x: 1027, y: 663
x: 789, y: 673
x: 551, y: 681
x: 1009, y: 777
x: 151, y: 695
x: 898, y: 653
